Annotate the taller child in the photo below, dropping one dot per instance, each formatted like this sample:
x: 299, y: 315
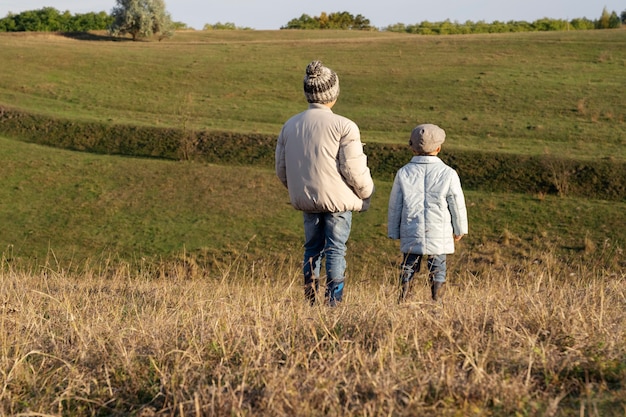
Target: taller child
x: 320, y: 159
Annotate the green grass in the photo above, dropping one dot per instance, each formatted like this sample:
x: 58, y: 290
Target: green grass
x: 85, y: 205
x: 82, y: 206
x: 530, y: 93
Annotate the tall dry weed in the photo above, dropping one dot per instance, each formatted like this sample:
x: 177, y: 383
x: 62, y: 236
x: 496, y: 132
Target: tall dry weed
x: 537, y: 337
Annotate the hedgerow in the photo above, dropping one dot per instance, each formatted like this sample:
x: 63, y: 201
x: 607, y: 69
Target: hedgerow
x: 485, y: 171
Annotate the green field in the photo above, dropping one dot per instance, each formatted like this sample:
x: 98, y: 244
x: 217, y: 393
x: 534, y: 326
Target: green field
x: 530, y: 94
x: 91, y: 207
x: 525, y: 93
x: 150, y: 260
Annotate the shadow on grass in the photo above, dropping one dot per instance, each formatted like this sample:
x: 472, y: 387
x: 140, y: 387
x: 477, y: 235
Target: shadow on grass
x: 91, y: 36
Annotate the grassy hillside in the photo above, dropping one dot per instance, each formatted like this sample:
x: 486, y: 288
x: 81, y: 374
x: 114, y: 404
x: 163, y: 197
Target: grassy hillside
x: 532, y: 93
x: 82, y: 206
x: 170, y: 285
x: 526, y: 95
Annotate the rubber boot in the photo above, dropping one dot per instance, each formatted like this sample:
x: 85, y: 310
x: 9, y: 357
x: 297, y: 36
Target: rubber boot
x: 436, y: 290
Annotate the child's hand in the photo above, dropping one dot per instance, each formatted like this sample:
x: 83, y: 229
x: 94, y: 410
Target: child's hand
x: 457, y: 238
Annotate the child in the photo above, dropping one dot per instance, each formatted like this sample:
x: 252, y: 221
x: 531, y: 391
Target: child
x: 320, y: 159
x: 426, y: 210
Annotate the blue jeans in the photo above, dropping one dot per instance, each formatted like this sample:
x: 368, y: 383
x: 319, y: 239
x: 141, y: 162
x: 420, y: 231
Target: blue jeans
x: 412, y: 262
x: 325, y: 235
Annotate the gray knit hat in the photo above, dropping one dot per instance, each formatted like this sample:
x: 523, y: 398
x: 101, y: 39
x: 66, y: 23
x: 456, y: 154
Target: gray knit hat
x: 426, y: 138
x: 321, y: 84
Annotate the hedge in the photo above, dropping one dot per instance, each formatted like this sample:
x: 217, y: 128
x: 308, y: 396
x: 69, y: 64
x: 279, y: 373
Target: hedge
x: 486, y: 171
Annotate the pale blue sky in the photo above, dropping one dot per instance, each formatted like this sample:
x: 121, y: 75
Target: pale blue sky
x: 276, y: 13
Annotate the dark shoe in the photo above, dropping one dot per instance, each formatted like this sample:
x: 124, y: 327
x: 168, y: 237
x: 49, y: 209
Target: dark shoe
x: 310, y: 292
x: 334, y: 294
x: 333, y: 302
x: 436, y: 290
x: 405, y: 290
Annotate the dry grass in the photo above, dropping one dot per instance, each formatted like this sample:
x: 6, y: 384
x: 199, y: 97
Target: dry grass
x: 536, y: 338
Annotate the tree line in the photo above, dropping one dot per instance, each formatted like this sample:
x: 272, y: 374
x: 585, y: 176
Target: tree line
x: 50, y: 19
x: 137, y: 18
x: 339, y: 20
x: 606, y: 21
x: 142, y: 18
x: 345, y: 20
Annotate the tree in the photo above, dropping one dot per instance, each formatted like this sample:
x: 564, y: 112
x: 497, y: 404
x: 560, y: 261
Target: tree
x: 582, y: 24
x: 614, y: 21
x: 345, y: 20
x: 303, y: 22
x: 338, y: 20
x: 141, y: 18
x: 603, y: 22
x: 90, y: 21
x: 180, y: 26
x: 360, y: 22
x: 49, y: 19
x: 223, y: 26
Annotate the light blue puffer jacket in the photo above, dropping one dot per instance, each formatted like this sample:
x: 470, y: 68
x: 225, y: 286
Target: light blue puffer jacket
x: 426, y: 207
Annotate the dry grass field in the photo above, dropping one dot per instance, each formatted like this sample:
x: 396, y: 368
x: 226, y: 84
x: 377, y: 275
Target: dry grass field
x: 534, y: 338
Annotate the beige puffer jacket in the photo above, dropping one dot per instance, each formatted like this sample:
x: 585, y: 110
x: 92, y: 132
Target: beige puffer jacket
x: 320, y: 159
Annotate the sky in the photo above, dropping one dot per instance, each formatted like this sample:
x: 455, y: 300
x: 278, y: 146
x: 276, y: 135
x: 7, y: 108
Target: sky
x: 272, y: 14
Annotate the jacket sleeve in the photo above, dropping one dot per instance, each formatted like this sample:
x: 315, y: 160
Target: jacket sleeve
x: 353, y: 163
x: 394, y: 213
x: 456, y: 205
x: 280, y: 164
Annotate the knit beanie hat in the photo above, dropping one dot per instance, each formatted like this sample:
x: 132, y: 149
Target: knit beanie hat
x: 427, y: 138
x: 321, y: 84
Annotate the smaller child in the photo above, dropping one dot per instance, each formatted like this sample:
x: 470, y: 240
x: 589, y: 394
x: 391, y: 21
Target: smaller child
x: 426, y: 210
